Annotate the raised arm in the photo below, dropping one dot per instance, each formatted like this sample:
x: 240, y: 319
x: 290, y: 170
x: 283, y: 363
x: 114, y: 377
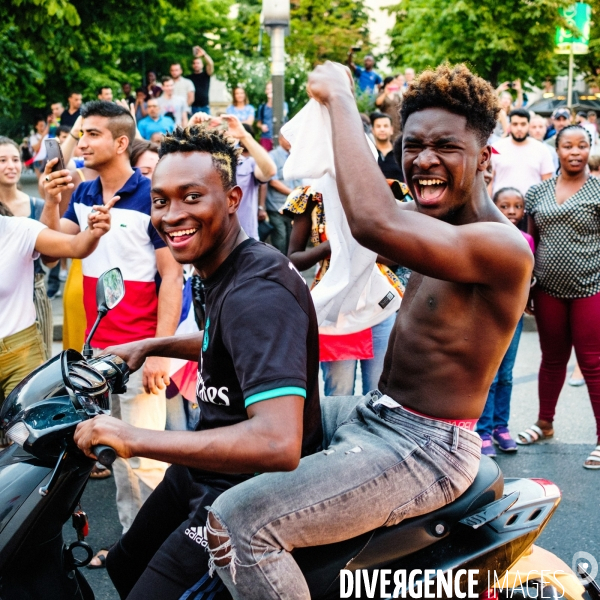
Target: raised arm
x: 209, y: 64
x: 474, y: 253
x: 54, y: 185
x: 69, y: 145
x: 350, y: 60
x: 265, y: 166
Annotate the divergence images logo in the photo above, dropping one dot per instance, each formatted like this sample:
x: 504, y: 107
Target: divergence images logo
x: 198, y: 535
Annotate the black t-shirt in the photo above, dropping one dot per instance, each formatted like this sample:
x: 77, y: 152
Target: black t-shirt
x: 389, y: 167
x: 261, y: 341
x: 69, y: 119
x: 202, y: 85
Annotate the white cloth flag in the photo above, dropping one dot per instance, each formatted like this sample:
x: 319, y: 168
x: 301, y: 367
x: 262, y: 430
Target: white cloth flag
x: 353, y: 294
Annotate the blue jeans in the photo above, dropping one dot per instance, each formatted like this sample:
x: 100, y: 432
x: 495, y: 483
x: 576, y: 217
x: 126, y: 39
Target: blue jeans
x: 339, y: 375
x: 388, y: 464
x: 197, y: 109
x: 182, y: 415
x: 497, y: 407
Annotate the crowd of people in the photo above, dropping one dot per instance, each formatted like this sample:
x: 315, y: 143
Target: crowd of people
x: 114, y: 203
x: 526, y: 155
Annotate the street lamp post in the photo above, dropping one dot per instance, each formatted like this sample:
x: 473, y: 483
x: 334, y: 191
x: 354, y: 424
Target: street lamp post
x: 276, y: 18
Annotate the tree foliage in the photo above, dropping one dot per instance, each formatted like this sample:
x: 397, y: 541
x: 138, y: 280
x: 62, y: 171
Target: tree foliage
x: 500, y: 40
x: 252, y: 73
x: 325, y: 29
x: 320, y: 29
x: 49, y: 47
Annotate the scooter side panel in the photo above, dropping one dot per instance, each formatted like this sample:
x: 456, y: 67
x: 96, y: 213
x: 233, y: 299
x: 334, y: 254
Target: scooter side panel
x: 20, y: 474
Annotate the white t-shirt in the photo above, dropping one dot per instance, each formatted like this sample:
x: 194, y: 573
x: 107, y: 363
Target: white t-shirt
x: 182, y: 86
x: 520, y: 165
x: 18, y: 236
x: 591, y: 128
x: 175, y: 105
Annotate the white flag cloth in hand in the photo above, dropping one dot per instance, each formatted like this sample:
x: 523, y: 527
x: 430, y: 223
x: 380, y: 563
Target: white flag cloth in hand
x: 353, y: 294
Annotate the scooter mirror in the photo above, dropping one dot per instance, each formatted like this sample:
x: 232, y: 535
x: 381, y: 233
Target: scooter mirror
x: 110, y: 289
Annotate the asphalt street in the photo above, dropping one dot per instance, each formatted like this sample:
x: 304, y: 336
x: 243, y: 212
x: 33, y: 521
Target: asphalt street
x: 575, y: 526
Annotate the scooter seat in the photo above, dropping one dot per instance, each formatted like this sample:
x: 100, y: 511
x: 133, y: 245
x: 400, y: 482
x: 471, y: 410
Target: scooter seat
x: 321, y: 565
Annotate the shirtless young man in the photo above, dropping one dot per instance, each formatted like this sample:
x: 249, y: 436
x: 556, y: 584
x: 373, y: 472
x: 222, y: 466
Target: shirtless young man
x: 385, y: 460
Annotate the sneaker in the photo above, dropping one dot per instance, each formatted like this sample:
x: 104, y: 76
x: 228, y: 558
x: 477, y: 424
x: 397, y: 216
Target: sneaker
x: 504, y: 439
x: 487, y: 445
x: 62, y: 275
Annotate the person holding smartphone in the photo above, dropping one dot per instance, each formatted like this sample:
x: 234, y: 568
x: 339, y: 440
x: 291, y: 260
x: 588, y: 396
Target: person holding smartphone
x: 366, y: 78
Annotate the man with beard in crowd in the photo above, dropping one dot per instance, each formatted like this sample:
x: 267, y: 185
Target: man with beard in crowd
x: 383, y: 132
x: 520, y: 161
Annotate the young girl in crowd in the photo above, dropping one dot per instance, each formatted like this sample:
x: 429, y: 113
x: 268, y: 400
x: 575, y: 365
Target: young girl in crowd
x: 564, y: 219
x: 339, y: 353
x: 493, y: 423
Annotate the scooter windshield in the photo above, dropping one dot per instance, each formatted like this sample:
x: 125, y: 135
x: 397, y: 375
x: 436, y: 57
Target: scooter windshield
x: 47, y: 381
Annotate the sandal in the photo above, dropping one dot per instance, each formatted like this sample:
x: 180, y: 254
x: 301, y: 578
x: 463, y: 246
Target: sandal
x: 504, y: 440
x: 532, y: 435
x: 100, y: 473
x: 593, y: 458
x: 101, y: 556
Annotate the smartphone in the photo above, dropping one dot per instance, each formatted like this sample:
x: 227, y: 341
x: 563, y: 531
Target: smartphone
x: 511, y: 85
x: 53, y: 151
x: 356, y: 48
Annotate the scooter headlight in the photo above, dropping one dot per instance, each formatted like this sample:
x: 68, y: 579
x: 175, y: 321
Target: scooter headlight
x: 18, y: 433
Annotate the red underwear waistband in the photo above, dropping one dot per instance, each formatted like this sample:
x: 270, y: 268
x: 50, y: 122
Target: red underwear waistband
x: 468, y: 424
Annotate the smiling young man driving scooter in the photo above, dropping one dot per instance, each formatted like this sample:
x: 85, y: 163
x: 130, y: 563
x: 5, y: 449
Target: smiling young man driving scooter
x: 409, y: 447
x: 257, y: 377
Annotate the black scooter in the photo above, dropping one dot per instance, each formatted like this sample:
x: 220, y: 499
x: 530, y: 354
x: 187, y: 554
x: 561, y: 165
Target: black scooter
x: 491, y: 528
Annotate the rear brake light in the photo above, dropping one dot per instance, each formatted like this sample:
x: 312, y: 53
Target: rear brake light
x: 550, y: 489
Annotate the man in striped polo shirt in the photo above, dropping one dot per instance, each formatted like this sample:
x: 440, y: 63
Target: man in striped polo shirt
x: 147, y: 310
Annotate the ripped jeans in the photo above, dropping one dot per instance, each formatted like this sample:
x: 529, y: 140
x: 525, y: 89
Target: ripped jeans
x: 379, y: 465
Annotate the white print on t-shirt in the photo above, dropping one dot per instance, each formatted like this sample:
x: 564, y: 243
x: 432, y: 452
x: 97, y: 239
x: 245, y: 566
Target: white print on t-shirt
x: 210, y: 394
x: 198, y: 534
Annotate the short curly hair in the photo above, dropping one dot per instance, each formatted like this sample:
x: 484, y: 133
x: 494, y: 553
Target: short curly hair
x: 199, y: 138
x: 457, y: 90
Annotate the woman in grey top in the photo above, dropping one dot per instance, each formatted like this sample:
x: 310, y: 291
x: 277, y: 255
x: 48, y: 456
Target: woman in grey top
x: 564, y: 217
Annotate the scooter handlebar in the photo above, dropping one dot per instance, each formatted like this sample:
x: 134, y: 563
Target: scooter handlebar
x: 105, y: 454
